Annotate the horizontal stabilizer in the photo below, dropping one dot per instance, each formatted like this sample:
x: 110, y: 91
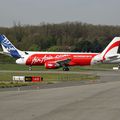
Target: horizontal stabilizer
x: 113, y: 57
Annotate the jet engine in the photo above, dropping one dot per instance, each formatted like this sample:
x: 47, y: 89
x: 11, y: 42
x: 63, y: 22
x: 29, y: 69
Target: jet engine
x: 51, y: 65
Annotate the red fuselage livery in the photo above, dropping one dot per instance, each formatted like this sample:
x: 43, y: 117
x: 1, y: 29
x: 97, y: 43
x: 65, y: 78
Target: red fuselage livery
x: 52, y: 60
x: 75, y: 59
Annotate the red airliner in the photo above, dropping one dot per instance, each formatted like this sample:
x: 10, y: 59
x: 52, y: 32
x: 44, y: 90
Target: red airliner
x: 53, y: 60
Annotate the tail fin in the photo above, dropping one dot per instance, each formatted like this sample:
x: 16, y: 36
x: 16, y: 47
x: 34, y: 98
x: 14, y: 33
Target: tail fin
x: 111, y: 49
x: 9, y: 48
x: 109, y: 54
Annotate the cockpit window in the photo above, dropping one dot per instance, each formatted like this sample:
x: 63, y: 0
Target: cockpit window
x: 26, y: 53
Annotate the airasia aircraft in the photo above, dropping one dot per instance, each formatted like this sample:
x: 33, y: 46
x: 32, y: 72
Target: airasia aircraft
x: 53, y: 60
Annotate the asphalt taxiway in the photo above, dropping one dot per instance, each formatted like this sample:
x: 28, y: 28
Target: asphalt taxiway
x: 91, y: 101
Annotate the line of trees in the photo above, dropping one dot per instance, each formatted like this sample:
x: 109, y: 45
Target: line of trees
x: 68, y: 36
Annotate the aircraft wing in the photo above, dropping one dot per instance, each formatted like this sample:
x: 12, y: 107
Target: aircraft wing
x: 57, y: 63
x: 63, y: 62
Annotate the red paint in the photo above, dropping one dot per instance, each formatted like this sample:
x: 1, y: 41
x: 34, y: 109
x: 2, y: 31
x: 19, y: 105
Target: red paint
x: 112, y: 46
x: 76, y: 59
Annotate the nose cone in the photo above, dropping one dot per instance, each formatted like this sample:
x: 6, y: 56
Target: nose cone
x: 20, y: 61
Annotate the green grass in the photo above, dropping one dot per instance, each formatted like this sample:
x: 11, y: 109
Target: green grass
x: 13, y: 84
x: 17, y: 67
x: 39, y: 68
x: 47, y: 76
x: 6, y: 78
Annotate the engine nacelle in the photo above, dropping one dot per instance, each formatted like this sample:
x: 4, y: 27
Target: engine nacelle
x: 51, y: 65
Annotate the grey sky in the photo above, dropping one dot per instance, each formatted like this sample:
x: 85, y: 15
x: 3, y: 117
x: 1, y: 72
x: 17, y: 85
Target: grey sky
x: 57, y: 11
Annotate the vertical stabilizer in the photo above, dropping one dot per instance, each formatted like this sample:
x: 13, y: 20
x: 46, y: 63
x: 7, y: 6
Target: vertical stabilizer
x: 112, y: 48
x: 109, y: 54
x: 8, y: 47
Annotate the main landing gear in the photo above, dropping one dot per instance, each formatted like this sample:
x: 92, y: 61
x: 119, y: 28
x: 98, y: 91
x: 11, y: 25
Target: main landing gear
x: 66, y: 68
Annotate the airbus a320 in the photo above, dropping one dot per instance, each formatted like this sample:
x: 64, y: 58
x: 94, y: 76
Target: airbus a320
x: 53, y: 60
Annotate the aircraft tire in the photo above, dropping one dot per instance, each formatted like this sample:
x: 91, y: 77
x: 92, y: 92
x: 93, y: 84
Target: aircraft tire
x: 65, y: 69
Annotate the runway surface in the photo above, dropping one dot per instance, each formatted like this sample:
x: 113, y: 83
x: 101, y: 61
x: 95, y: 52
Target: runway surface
x: 88, y: 101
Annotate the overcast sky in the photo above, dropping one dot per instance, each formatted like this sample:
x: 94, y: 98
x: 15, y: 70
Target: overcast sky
x: 33, y: 12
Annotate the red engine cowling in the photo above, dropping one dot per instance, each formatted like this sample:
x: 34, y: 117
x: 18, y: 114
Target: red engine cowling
x: 51, y: 65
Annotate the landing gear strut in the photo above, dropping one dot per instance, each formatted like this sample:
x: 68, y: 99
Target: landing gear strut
x: 65, y: 68
x: 30, y: 68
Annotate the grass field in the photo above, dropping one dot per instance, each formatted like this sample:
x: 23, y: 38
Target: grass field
x: 39, y: 68
x: 6, y: 78
x: 47, y: 76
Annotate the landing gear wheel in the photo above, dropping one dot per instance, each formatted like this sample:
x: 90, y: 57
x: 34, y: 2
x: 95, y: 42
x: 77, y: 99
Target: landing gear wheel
x: 65, y: 68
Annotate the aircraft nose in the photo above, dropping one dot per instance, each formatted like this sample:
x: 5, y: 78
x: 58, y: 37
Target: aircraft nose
x: 20, y: 61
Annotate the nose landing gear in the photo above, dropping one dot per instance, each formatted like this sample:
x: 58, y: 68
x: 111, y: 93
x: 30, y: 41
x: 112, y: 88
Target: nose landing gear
x: 30, y: 68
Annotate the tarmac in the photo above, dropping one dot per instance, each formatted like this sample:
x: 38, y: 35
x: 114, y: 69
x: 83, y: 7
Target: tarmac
x: 72, y: 100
